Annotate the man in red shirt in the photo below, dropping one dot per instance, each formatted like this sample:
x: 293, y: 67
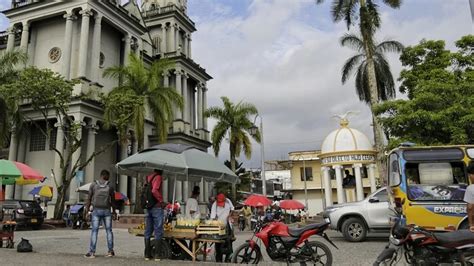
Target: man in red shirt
x: 154, y: 215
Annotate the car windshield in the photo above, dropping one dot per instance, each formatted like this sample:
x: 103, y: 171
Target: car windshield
x: 436, y: 181
x: 29, y: 204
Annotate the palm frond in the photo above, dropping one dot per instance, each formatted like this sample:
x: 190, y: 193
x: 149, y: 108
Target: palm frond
x: 349, y: 66
x: 389, y: 46
x: 218, y: 134
x: 353, y: 41
x: 393, y: 3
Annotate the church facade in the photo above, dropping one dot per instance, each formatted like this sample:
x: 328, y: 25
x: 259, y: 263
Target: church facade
x: 80, y: 39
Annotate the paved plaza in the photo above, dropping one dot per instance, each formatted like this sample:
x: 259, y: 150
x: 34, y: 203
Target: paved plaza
x: 67, y: 247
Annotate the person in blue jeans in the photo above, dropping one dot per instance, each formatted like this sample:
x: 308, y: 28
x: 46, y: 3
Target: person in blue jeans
x: 101, y: 199
x: 154, y: 216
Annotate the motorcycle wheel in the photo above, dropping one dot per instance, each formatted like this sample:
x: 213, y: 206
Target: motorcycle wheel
x: 246, y: 255
x: 319, y: 252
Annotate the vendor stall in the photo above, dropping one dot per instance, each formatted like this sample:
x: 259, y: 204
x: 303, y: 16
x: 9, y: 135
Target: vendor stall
x: 184, y: 163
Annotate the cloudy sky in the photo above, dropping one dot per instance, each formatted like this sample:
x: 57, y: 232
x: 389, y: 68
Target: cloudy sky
x: 284, y: 57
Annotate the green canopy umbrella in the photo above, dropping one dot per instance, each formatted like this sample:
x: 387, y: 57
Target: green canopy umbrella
x: 180, y: 161
x: 11, y: 172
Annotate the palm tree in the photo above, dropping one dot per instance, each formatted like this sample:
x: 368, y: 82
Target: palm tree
x: 8, y: 72
x: 144, y: 83
x: 233, y: 122
x: 369, y: 21
x: 359, y: 64
x: 140, y: 87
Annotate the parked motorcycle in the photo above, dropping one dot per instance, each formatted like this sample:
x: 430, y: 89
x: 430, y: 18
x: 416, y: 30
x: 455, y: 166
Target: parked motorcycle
x: 422, y: 247
x: 290, y: 245
x: 241, y: 222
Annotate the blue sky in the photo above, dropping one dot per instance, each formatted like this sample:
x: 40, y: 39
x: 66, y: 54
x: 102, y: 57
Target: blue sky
x: 284, y: 57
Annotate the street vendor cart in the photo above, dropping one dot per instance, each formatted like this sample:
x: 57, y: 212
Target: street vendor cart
x: 183, y: 163
x: 7, y: 229
x: 199, y: 233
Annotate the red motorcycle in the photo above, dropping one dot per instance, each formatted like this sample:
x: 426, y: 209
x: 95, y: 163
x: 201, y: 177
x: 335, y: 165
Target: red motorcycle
x: 290, y: 245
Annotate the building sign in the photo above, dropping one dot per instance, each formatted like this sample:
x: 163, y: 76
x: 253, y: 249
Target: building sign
x: 348, y: 158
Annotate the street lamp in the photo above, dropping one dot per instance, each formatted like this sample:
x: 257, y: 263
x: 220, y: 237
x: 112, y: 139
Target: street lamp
x: 253, y: 130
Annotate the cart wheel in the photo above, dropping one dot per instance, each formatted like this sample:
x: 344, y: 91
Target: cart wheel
x: 164, y: 252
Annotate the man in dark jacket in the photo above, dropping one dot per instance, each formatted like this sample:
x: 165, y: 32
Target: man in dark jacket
x: 154, y: 216
x: 100, y: 201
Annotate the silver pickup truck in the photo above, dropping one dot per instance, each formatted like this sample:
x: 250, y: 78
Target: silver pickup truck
x: 356, y: 219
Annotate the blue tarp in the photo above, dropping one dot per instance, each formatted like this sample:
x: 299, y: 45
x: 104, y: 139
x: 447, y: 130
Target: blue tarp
x: 76, y: 208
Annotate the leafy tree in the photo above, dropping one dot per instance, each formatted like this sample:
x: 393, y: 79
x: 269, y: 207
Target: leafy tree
x: 440, y: 105
x: 49, y: 95
x: 233, y: 121
x: 140, y: 87
x: 8, y: 73
x: 365, y: 11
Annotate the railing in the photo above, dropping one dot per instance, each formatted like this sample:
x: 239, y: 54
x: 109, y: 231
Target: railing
x: 164, y: 10
x: 4, y: 38
x: 20, y: 3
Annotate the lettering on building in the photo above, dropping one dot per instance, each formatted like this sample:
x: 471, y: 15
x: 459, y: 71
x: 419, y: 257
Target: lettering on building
x: 348, y: 158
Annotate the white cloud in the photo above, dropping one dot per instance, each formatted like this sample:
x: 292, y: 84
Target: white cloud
x: 284, y: 56
x: 291, y: 70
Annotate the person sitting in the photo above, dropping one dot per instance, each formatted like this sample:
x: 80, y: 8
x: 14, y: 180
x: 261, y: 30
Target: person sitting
x: 349, y: 180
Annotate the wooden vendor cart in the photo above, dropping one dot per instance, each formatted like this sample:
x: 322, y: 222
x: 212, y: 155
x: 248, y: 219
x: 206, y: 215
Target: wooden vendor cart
x: 199, y: 234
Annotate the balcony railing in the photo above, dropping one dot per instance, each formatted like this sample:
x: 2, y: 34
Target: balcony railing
x: 164, y: 10
x: 20, y: 3
x: 4, y: 38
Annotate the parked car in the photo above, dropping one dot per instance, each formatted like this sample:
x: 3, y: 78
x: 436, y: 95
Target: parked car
x: 23, y: 212
x: 355, y: 219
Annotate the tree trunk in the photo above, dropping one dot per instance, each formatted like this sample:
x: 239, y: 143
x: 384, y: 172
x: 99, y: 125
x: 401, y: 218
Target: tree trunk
x: 60, y: 200
x: 374, y: 99
x: 139, y: 188
x: 232, y: 166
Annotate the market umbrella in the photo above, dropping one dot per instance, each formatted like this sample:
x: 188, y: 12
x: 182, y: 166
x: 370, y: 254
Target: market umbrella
x: 10, y: 171
x: 44, y: 191
x: 257, y: 201
x: 291, y: 205
x: 180, y: 161
x: 120, y: 196
x: 84, y: 188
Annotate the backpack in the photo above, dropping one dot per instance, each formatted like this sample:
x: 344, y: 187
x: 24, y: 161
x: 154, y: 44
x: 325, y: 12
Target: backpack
x: 24, y: 246
x: 101, y: 195
x: 148, y: 200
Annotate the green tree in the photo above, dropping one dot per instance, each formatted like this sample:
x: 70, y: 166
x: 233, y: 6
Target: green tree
x: 359, y: 64
x: 140, y: 88
x: 233, y: 122
x: 48, y: 95
x: 365, y: 11
x: 8, y: 73
x: 440, y: 105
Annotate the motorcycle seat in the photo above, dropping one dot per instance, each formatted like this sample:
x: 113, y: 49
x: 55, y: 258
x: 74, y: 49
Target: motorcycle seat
x: 296, y: 232
x: 456, y: 238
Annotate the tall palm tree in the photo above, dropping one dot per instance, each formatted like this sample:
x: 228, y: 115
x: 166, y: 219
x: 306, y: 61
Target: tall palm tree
x: 233, y: 122
x: 140, y: 87
x: 369, y: 21
x: 359, y: 64
x: 8, y: 72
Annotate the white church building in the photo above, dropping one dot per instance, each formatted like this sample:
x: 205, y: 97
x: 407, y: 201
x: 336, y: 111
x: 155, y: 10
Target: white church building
x: 80, y: 39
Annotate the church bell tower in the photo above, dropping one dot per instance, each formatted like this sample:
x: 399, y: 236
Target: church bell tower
x: 170, y: 30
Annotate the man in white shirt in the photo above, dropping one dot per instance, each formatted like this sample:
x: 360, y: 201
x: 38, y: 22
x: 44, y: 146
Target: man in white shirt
x: 192, y: 206
x: 220, y: 210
